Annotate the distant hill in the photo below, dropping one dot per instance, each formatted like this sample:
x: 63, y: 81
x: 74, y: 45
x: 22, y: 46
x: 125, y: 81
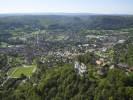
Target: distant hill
x: 64, y: 22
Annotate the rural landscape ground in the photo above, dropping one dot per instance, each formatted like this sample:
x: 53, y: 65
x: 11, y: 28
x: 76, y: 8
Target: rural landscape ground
x: 66, y: 57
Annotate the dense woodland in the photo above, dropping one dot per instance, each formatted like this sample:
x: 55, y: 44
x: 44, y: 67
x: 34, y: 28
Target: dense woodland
x: 62, y: 82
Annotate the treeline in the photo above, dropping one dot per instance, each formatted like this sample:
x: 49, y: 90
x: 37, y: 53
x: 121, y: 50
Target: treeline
x: 75, y: 23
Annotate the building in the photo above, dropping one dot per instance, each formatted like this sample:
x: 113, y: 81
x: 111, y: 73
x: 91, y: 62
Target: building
x: 121, y: 41
x: 122, y: 65
x: 81, y: 69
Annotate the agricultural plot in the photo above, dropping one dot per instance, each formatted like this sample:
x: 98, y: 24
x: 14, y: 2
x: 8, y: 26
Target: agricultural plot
x: 27, y: 70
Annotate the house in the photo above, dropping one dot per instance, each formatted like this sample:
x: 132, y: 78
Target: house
x: 98, y: 62
x: 121, y: 41
x: 81, y: 69
x: 122, y: 65
x: 112, y: 67
x: 76, y: 66
x: 104, y: 49
x: 131, y: 69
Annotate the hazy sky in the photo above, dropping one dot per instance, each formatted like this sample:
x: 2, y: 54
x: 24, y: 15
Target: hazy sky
x: 67, y: 6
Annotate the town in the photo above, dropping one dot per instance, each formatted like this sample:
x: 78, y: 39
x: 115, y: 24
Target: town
x: 63, y: 52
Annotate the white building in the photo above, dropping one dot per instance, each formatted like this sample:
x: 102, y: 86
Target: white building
x: 80, y: 68
x: 121, y: 41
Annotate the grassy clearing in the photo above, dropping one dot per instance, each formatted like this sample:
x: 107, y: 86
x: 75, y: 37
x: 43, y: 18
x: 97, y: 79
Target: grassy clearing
x: 26, y: 70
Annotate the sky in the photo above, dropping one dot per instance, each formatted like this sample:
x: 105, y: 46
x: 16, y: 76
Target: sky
x: 67, y: 6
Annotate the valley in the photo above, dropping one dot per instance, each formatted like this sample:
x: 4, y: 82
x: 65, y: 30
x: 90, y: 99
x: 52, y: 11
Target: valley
x: 47, y: 57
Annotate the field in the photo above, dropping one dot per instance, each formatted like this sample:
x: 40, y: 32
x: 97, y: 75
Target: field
x: 26, y: 70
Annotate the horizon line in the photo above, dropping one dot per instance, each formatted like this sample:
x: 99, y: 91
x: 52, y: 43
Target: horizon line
x: 61, y: 13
